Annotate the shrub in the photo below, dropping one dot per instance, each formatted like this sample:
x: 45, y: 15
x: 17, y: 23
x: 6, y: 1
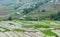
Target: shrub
x: 43, y: 10
x: 10, y: 18
x: 55, y: 16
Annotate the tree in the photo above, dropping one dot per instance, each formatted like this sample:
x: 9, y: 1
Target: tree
x: 43, y: 10
x: 55, y: 16
x: 10, y: 18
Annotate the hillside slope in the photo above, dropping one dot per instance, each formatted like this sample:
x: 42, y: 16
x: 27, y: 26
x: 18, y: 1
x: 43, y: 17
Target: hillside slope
x: 44, y: 11
x: 10, y: 7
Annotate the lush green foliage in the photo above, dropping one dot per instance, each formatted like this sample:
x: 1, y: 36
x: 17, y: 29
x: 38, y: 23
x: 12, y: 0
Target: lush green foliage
x: 18, y: 29
x: 5, y: 28
x: 9, y: 18
x: 49, y: 32
x: 56, y: 17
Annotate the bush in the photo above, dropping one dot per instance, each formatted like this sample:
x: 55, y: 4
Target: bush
x: 43, y: 10
x: 55, y: 16
x: 10, y: 18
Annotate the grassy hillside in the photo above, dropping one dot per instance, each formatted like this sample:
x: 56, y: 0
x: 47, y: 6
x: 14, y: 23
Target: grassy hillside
x: 44, y: 11
x: 41, y: 11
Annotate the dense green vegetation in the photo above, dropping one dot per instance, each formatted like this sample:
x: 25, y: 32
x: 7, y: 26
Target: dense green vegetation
x: 50, y: 33
x: 36, y: 26
x: 56, y: 17
x: 18, y: 29
x: 5, y: 28
x: 44, y: 15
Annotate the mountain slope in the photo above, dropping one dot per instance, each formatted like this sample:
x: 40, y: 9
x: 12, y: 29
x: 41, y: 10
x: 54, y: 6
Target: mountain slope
x: 12, y: 6
x: 44, y: 11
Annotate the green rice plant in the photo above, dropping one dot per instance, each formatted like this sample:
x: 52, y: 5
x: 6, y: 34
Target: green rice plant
x: 18, y: 29
x: 49, y: 33
x: 5, y: 28
x: 41, y: 26
x: 28, y: 26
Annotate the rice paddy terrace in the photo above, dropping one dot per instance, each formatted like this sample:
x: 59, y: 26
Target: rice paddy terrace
x: 18, y: 28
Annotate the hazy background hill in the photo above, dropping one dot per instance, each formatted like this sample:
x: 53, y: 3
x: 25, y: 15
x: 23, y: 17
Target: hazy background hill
x: 13, y: 6
x: 29, y: 8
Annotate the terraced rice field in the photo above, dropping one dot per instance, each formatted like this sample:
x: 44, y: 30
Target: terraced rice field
x: 16, y: 28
